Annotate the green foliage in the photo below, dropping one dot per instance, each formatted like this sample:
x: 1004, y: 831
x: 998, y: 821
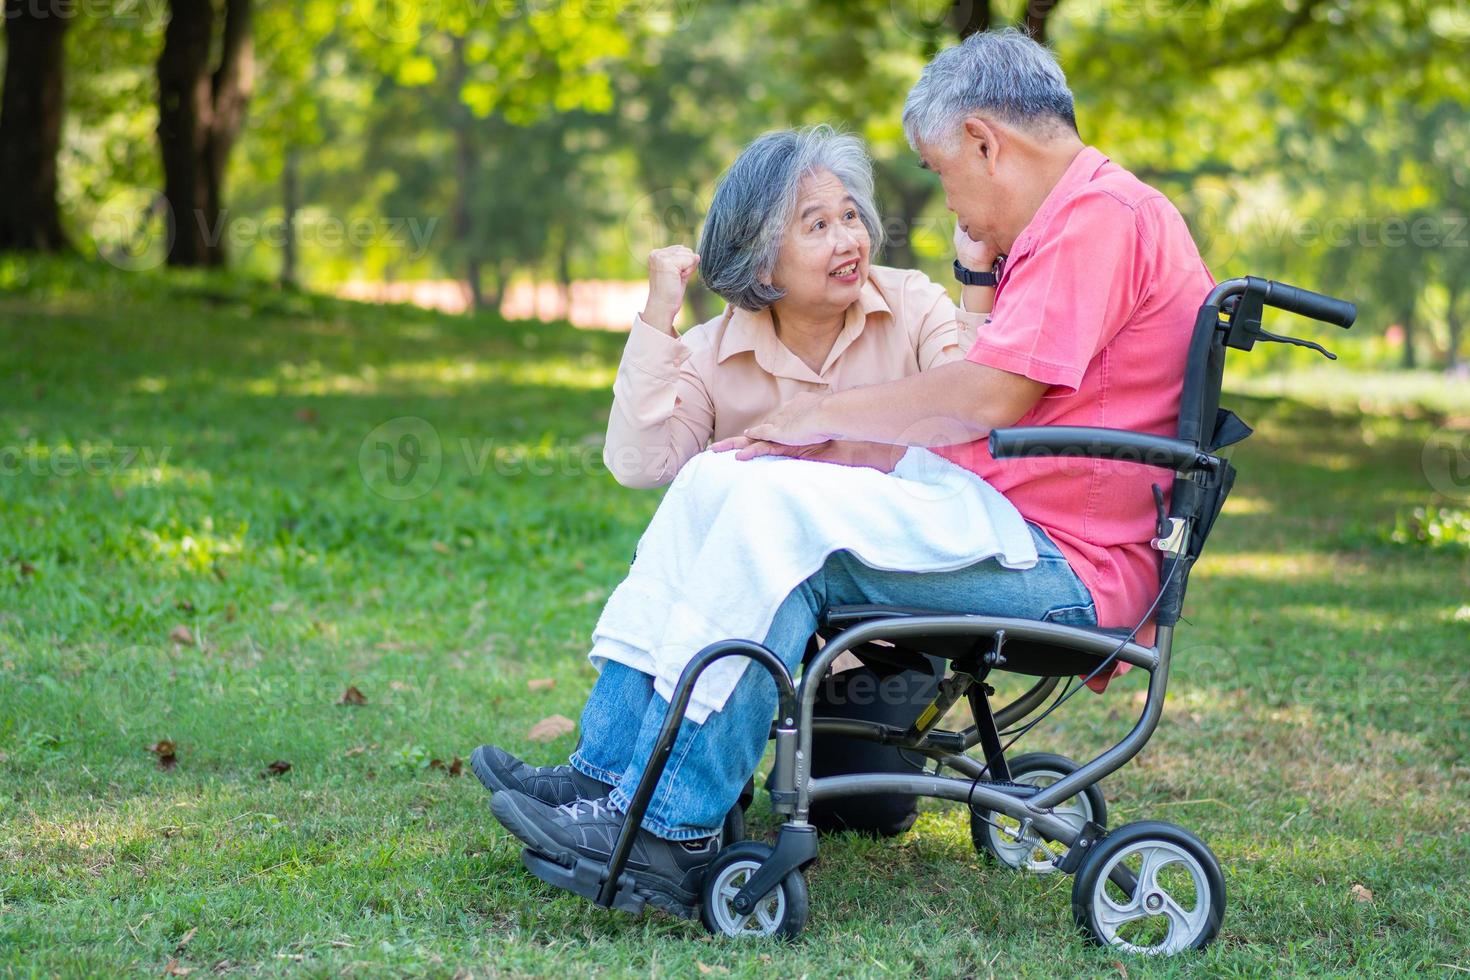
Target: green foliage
x: 1444, y: 528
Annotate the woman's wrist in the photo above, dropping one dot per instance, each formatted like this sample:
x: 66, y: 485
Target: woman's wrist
x: 660, y: 318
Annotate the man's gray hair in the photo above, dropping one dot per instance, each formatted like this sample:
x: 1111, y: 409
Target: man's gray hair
x: 756, y: 199
x: 1005, y: 74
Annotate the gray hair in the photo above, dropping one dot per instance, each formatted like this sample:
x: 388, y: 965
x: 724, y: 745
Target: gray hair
x: 755, y: 201
x: 1005, y: 74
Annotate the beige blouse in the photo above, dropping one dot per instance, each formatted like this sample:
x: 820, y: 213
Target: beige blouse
x: 673, y: 396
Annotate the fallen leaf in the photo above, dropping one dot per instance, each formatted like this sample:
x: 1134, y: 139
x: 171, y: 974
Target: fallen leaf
x: 277, y: 608
x: 231, y: 611
x: 1361, y: 894
x: 165, y: 750
x: 276, y: 768
x: 370, y: 774
x: 174, y: 970
x: 352, y: 696
x: 184, y: 605
x: 441, y: 547
x: 181, y: 635
x: 551, y: 727
x: 456, y: 767
x: 27, y: 569
x: 306, y: 415
x: 706, y: 968
x: 355, y: 750
x: 541, y: 683
x: 185, y: 941
x: 436, y: 764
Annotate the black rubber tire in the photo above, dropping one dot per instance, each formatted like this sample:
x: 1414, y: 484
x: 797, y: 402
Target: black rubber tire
x: 1022, y: 765
x: 797, y: 905
x: 1090, y: 877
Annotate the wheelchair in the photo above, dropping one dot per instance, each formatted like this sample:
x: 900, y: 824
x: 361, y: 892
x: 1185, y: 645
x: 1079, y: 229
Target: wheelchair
x: 1146, y: 887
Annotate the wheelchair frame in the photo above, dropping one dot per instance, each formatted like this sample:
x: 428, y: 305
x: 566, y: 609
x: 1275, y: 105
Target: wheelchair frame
x: 974, y: 645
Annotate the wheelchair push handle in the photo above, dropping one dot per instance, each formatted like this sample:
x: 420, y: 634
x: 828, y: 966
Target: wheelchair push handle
x: 1304, y: 302
x: 1098, y: 443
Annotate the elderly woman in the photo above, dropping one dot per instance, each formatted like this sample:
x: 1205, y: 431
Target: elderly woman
x: 788, y: 242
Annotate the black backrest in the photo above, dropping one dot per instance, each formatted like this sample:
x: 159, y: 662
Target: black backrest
x: 1200, y: 496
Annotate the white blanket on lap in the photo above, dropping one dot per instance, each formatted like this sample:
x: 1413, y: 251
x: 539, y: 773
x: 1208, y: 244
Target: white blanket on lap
x: 732, y: 539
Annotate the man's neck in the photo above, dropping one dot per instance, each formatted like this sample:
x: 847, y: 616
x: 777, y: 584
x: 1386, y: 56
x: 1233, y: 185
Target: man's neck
x: 1046, y: 163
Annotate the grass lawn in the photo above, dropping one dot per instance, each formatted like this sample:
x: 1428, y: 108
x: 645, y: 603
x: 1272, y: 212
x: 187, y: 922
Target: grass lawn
x: 199, y: 545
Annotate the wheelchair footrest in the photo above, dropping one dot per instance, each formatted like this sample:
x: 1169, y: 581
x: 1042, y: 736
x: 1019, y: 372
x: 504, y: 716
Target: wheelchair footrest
x: 583, y: 878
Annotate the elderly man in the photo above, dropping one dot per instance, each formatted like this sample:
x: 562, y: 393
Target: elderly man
x: 1090, y: 326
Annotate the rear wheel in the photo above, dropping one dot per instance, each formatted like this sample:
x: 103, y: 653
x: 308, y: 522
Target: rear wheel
x: 1000, y: 835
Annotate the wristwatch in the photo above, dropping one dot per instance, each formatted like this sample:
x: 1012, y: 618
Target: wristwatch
x: 970, y: 277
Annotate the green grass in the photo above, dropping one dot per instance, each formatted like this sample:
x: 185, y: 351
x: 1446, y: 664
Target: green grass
x: 1317, y: 736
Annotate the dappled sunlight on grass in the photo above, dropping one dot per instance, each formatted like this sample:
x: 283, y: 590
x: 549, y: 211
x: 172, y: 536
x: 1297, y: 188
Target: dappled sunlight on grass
x: 439, y: 376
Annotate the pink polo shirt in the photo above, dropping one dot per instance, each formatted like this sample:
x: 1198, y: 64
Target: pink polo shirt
x: 1097, y: 300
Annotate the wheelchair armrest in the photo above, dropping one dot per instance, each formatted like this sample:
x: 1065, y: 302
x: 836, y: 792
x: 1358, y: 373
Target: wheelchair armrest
x: 1099, y: 443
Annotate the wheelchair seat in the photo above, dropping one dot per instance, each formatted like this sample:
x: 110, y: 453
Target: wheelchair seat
x: 1051, y: 650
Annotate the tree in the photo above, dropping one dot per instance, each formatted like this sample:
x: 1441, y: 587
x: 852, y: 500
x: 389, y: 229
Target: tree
x: 30, y: 124
x: 200, y: 112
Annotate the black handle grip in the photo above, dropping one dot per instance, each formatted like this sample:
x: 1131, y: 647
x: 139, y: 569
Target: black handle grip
x: 1294, y: 299
x: 1097, y: 443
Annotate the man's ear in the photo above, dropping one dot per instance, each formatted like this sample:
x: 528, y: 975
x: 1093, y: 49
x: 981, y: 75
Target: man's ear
x: 984, y: 139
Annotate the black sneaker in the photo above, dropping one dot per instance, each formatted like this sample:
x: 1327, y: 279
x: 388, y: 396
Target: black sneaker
x: 500, y: 771
x: 667, y: 874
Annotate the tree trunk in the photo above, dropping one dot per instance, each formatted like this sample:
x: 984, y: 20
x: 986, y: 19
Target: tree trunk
x: 290, y: 204
x: 969, y: 17
x: 464, y: 175
x: 1033, y: 19
x: 1411, y: 357
x: 30, y: 124
x: 199, y: 116
x: 1455, y: 326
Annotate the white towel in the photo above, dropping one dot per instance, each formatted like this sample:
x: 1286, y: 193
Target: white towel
x: 732, y: 539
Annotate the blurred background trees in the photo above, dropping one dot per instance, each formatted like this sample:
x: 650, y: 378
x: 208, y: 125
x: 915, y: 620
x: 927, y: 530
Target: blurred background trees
x: 487, y: 142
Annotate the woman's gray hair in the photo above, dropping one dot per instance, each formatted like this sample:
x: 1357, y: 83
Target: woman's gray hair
x: 755, y: 201
x: 1005, y: 74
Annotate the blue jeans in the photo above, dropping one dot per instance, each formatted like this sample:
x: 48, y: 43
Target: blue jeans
x: 711, y: 762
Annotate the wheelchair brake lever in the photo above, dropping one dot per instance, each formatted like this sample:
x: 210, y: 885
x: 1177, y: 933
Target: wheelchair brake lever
x: 1296, y: 342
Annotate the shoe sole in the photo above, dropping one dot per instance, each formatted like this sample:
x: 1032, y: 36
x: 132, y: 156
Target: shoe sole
x: 484, y: 773
x: 652, y: 890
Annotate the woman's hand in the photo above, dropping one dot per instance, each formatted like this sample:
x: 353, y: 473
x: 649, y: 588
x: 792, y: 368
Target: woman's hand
x: 973, y: 255
x: 669, y: 271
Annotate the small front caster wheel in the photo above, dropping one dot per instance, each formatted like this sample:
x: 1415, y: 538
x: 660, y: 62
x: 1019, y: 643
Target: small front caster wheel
x: 1000, y: 836
x: 1149, y: 888
x: 780, y: 912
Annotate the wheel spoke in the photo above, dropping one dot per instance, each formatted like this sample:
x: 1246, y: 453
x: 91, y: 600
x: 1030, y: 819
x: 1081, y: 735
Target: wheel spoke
x: 1112, y: 915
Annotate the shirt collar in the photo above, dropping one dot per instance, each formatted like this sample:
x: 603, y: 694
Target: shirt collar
x: 747, y: 330
x: 1084, y: 166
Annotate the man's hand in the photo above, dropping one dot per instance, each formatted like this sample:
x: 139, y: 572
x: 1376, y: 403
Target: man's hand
x: 875, y: 455
x: 796, y: 423
x: 973, y: 255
